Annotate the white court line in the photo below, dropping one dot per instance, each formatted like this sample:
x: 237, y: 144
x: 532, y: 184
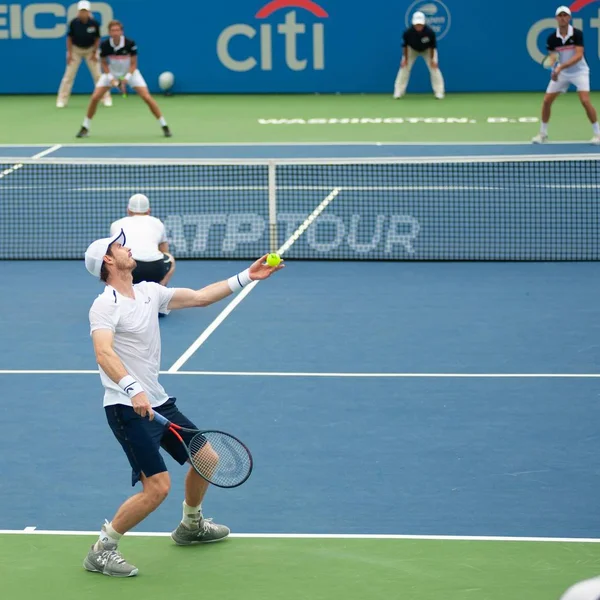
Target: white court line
x: 229, y: 308
x: 47, y: 151
x: 35, y: 156
x: 211, y: 328
x: 329, y: 536
x: 318, y: 374
x: 285, y: 144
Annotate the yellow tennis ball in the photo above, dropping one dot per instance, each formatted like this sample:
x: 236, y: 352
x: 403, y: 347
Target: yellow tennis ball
x: 273, y: 260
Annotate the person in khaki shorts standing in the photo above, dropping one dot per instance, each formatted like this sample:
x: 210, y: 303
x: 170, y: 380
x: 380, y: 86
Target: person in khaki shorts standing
x: 419, y: 40
x: 83, y: 39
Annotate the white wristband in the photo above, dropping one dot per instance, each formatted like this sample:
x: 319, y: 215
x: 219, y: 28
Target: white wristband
x: 239, y: 281
x: 130, y: 386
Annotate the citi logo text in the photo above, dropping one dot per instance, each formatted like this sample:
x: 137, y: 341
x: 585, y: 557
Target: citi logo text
x: 290, y: 29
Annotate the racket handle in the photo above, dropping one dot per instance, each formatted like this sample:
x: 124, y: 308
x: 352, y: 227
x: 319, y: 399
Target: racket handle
x: 160, y: 419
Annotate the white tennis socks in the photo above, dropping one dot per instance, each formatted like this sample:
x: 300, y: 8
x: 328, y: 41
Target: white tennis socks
x: 162, y: 121
x: 87, y: 123
x: 192, y: 515
x: 109, y: 537
x: 596, y: 128
x: 544, y: 128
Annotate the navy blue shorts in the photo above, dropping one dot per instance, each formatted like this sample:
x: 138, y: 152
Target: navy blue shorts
x: 141, y: 438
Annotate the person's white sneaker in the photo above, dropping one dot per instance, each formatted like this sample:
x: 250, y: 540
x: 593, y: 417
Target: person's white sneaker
x: 439, y: 96
x: 540, y: 138
x: 107, y: 101
x: 595, y: 140
x: 60, y: 104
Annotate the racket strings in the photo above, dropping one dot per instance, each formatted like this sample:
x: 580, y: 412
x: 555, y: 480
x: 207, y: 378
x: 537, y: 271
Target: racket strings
x: 219, y: 458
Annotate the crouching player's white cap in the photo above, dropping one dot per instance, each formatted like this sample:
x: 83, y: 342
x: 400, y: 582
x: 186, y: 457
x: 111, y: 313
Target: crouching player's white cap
x: 589, y: 589
x: 94, y: 255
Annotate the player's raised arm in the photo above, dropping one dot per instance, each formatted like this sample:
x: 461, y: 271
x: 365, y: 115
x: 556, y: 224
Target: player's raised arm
x: 187, y: 298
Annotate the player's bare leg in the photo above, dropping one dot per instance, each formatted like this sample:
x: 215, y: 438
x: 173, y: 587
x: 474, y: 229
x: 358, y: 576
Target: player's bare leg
x: 542, y: 136
x: 144, y: 94
x: 592, y: 115
x: 91, y: 111
x: 104, y: 556
x: 584, y: 98
x: 194, y: 528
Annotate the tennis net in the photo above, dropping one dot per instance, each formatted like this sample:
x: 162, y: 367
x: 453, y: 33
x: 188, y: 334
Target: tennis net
x: 506, y: 208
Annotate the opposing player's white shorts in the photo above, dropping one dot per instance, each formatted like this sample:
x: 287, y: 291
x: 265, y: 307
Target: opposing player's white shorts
x: 136, y: 80
x: 581, y: 81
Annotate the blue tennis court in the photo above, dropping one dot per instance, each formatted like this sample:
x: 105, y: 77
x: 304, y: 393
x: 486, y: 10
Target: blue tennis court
x: 417, y: 398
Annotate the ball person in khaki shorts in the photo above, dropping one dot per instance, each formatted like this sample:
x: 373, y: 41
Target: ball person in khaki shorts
x: 83, y: 39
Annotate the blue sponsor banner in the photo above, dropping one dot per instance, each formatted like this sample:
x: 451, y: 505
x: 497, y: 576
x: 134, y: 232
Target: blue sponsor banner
x: 298, y: 46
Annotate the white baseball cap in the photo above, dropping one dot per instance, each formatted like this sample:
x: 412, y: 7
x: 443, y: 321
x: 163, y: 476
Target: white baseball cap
x: 419, y: 18
x: 588, y: 589
x: 94, y: 255
x: 562, y: 9
x: 138, y: 203
x: 84, y: 5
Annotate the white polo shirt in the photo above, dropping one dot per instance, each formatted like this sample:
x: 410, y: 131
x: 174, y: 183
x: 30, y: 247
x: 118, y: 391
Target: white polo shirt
x: 144, y: 233
x: 136, y: 337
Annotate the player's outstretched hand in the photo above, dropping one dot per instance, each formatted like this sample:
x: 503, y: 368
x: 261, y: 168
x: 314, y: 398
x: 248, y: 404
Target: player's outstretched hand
x: 261, y: 270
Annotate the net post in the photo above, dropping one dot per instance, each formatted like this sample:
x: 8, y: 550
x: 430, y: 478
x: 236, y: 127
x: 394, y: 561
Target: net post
x: 272, y: 185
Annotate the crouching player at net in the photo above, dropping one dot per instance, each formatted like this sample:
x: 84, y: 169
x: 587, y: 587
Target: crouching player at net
x: 126, y: 338
x: 119, y: 63
x: 147, y: 238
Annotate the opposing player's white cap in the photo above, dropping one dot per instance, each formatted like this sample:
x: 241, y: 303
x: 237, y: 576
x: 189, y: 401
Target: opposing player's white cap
x: 419, y: 18
x: 138, y: 203
x: 94, y: 255
x: 589, y: 589
x: 562, y: 9
x: 84, y: 5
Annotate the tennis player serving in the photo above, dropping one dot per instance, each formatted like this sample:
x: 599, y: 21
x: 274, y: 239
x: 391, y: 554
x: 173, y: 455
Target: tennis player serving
x: 119, y: 64
x: 566, y: 45
x: 126, y: 338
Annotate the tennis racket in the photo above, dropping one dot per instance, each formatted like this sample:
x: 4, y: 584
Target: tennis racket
x: 550, y: 61
x: 216, y: 456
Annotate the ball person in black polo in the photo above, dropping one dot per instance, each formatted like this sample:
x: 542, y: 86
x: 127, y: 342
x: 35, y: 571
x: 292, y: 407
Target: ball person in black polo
x: 419, y: 40
x: 566, y: 43
x: 83, y: 39
x: 119, y: 63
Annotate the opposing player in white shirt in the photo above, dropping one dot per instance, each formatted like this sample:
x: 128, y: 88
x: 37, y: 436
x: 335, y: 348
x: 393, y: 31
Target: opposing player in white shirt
x: 147, y: 239
x: 566, y: 43
x: 126, y: 338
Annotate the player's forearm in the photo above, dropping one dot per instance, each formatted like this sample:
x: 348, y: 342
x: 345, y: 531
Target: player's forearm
x: 571, y: 62
x: 69, y: 45
x: 111, y: 364
x: 212, y: 293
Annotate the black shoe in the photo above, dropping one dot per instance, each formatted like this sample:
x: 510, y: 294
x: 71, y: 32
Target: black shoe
x: 83, y: 132
x: 167, y: 131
